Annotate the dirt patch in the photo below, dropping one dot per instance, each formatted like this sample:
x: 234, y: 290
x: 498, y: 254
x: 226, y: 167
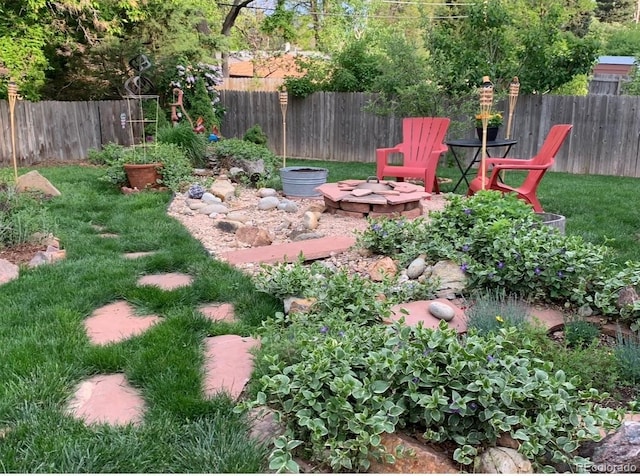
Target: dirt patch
x: 20, y: 254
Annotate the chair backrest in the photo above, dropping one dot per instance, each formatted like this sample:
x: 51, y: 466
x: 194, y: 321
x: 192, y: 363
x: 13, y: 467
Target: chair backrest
x: 420, y: 135
x: 547, y: 153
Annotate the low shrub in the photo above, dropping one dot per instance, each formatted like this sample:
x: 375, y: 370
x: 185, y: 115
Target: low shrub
x: 341, y: 386
x: 193, y: 145
x: 580, y: 333
x: 489, y: 312
x: 21, y: 216
x: 256, y: 135
x: 627, y: 353
x: 228, y: 151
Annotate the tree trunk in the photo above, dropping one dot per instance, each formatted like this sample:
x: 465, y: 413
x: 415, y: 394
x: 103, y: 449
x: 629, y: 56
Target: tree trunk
x: 228, y: 23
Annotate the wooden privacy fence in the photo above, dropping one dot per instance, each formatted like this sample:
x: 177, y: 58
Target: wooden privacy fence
x: 56, y: 130
x: 605, y: 139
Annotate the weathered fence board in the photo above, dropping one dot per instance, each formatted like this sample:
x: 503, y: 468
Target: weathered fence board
x: 335, y: 126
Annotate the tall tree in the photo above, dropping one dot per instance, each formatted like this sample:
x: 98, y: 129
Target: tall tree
x: 616, y: 11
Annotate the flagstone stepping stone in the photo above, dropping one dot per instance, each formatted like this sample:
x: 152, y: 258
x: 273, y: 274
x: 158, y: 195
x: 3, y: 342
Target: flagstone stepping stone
x: 108, y: 235
x: 116, y: 322
x: 107, y: 399
x: 218, y: 312
x: 139, y: 254
x: 418, y: 311
x: 166, y: 281
x: 228, y: 364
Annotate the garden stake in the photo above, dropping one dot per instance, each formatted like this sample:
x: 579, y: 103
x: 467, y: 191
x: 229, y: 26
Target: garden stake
x: 514, y: 89
x: 284, y: 99
x: 486, y: 100
x: 12, y: 94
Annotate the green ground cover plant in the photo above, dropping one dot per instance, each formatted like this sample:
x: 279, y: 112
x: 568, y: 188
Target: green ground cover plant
x: 45, y: 351
x: 23, y: 216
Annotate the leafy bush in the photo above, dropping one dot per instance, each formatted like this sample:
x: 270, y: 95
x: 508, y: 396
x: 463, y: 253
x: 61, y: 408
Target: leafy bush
x: 21, y: 216
x: 607, y: 290
x: 493, y: 311
x: 109, y: 154
x: 193, y: 145
x: 580, y: 333
x: 340, y: 387
x: 256, y: 135
x: 228, y: 150
x: 500, y: 243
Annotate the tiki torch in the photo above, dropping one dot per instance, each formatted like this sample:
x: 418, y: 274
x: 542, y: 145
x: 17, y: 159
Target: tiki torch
x: 486, y: 101
x: 12, y: 95
x: 284, y: 99
x: 514, y: 89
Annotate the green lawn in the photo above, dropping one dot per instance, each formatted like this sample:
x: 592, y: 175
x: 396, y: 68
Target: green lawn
x: 45, y: 351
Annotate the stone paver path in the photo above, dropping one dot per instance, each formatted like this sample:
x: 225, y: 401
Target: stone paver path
x: 116, y: 322
x: 107, y: 399
x: 228, y: 364
x: 228, y: 358
x: 418, y: 311
x: 166, y: 281
x: 139, y: 254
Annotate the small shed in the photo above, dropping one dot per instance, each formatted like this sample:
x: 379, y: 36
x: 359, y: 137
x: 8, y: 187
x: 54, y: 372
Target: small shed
x: 610, y: 73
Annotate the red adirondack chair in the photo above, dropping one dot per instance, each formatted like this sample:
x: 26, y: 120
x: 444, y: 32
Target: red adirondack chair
x: 421, y: 147
x: 537, y: 166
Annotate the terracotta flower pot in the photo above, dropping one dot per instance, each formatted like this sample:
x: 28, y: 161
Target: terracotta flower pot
x: 143, y: 176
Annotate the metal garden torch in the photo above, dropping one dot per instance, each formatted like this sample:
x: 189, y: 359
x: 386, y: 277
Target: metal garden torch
x: 284, y: 100
x: 486, y: 101
x: 514, y: 89
x: 12, y: 95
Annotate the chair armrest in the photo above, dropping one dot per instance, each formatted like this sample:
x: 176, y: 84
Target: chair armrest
x: 382, y: 154
x: 497, y: 168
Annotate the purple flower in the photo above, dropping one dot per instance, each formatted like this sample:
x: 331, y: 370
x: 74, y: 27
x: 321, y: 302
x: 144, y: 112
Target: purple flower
x: 464, y: 267
x: 465, y: 248
x: 341, y: 333
x: 467, y: 211
x: 415, y: 379
x: 454, y: 410
x: 473, y: 405
x: 490, y: 275
x: 490, y: 358
x: 376, y: 227
x: 560, y: 274
x: 324, y: 330
x: 500, y: 265
x: 427, y: 351
x: 537, y: 271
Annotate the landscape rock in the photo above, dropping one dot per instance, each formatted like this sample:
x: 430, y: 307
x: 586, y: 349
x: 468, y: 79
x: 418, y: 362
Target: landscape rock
x: 218, y: 208
x: 228, y: 226
x: 210, y: 198
x: 412, y: 457
x: 8, y: 271
x: 441, y: 311
x: 381, y: 268
x: 195, y: 191
x: 498, y: 460
x: 310, y: 220
x: 253, y: 236
x: 627, y: 297
x: 195, y: 204
x: 299, y: 235
x: 288, y: 206
x: 35, y: 181
x: 451, y: 278
x: 293, y: 304
x: 238, y: 216
x: 267, y: 192
x: 264, y: 427
x: 416, y: 268
x: 618, y: 452
x: 223, y: 188
x: 268, y: 203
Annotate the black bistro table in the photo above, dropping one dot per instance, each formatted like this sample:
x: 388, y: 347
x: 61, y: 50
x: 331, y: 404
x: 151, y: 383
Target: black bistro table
x: 475, y: 144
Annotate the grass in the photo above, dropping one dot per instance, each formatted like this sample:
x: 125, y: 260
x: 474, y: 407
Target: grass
x: 599, y: 208
x: 45, y: 351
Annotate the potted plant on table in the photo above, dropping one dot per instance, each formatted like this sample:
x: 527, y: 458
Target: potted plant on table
x: 494, y: 121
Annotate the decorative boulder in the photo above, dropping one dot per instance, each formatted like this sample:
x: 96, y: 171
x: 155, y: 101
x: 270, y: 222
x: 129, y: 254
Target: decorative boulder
x: 498, y: 460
